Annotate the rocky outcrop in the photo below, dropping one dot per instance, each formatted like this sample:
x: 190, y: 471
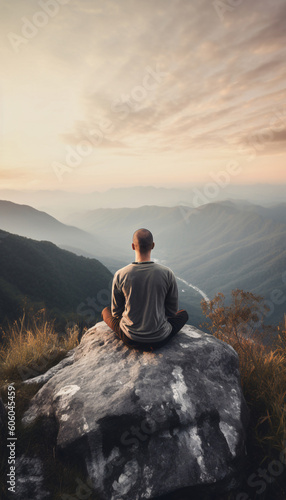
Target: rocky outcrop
x: 146, y: 424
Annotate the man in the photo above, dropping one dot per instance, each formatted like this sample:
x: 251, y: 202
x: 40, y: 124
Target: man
x: 144, y: 310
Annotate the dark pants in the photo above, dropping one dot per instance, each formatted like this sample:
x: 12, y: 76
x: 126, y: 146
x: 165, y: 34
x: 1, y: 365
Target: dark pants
x: 177, y: 322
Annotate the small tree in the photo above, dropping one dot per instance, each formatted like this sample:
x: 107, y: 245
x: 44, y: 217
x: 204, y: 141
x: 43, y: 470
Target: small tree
x: 242, y: 319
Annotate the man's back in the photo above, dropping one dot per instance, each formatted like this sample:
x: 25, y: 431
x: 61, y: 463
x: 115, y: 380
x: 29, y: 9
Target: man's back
x: 144, y: 309
x: 145, y: 294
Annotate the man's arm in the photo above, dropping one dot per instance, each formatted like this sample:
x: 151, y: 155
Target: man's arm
x: 117, y: 299
x: 171, y: 301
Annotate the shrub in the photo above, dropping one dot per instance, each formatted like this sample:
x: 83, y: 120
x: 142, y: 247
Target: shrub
x: 262, y: 369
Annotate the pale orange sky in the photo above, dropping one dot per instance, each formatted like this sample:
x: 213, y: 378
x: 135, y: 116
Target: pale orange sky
x: 99, y: 94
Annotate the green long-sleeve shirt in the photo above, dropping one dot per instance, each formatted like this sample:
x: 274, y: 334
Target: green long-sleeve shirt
x: 144, y: 295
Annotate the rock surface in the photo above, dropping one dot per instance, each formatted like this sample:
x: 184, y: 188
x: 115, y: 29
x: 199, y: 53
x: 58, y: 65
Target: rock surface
x: 147, y: 424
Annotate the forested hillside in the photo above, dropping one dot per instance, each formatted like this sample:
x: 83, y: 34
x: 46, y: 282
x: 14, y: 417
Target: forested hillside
x: 39, y: 275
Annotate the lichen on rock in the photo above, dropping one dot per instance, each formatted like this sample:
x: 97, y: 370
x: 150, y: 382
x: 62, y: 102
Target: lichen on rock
x: 147, y: 424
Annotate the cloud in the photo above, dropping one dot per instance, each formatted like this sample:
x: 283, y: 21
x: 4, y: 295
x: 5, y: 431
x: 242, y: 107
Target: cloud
x: 271, y: 34
x: 19, y: 173
x: 279, y: 136
x: 97, y: 139
x: 151, y: 77
x: 202, y: 88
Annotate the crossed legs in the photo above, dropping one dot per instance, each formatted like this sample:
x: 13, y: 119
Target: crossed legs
x: 177, y: 322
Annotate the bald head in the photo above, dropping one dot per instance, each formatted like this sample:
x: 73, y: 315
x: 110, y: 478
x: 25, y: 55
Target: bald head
x: 143, y: 240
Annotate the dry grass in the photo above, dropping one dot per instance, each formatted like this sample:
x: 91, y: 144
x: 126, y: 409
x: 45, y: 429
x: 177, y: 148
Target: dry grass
x: 263, y: 378
x: 30, y: 347
x: 262, y: 365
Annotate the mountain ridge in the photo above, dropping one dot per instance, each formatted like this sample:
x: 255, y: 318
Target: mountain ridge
x: 27, y: 221
x: 38, y: 274
x: 216, y: 247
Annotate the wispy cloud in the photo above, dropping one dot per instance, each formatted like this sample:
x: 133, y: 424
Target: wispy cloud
x: 162, y: 76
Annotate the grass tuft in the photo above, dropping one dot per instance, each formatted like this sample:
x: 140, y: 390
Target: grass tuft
x: 263, y: 379
x: 31, y: 346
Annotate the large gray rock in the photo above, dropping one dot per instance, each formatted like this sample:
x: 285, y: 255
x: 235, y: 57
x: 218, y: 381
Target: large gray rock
x: 148, y: 424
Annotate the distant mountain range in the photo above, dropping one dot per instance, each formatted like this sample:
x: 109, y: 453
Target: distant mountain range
x: 27, y: 221
x: 39, y: 275
x: 215, y: 248
x: 62, y: 203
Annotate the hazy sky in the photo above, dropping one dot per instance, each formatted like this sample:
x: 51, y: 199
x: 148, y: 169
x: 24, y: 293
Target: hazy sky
x: 98, y: 94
